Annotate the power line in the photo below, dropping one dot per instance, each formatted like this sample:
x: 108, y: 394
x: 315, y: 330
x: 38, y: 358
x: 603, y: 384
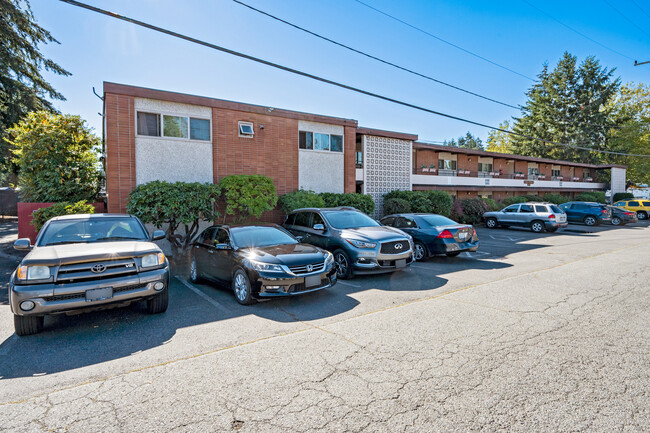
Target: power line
x: 374, y: 57
x: 443, y: 40
x: 325, y: 80
x: 625, y: 17
x: 576, y: 31
x: 640, y: 8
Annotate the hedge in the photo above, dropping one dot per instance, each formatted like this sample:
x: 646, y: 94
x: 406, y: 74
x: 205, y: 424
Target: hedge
x: 396, y: 205
x: 555, y: 198
x: 469, y: 211
x: 248, y: 195
x: 300, y: 199
x: 595, y: 196
x: 40, y: 216
x: 623, y: 196
x: 439, y: 202
x: 363, y: 202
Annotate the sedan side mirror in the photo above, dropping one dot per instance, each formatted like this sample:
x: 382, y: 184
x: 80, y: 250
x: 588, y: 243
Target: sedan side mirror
x: 300, y: 238
x: 319, y: 227
x: 158, y: 235
x: 23, y: 244
x: 223, y: 247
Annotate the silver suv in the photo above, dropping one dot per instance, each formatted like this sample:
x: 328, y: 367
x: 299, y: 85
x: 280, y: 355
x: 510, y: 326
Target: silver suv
x: 537, y: 216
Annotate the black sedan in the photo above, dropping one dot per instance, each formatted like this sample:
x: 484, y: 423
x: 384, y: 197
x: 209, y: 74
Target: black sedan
x: 434, y: 234
x: 260, y: 261
x: 622, y: 216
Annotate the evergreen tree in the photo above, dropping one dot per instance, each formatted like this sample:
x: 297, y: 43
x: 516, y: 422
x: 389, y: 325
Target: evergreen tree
x: 467, y: 141
x: 568, y: 105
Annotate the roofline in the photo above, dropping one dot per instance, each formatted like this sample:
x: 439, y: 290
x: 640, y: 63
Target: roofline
x: 438, y: 147
x: 388, y: 134
x: 184, y: 98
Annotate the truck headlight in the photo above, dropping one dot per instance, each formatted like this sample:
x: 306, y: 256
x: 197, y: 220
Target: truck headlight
x: 266, y: 267
x: 33, y: 273
x: 361, y: 244
x: 151, y: 260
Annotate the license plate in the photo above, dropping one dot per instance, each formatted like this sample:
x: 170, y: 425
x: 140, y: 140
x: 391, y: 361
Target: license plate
x: 312, y: 281
x: 99, y: 294
x: 401, y: 263
x: 462, y: 236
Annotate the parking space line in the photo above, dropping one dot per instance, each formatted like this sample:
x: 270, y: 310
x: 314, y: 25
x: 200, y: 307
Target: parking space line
x: 345, y: 283
x: 203, y: 295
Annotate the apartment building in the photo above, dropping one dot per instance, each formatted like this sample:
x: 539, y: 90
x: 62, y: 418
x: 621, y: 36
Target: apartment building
x: 159, y: 135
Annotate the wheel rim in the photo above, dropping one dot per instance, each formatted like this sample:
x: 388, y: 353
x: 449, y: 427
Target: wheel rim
x: 616, y: 221
x: 641, y: 216
x: 590, y: 221
x: 193, y: 272
x: 341, y: 264
x: 491, y: 223
x: 537, y: 227
x: 241, y: 288
x: 419, y: 252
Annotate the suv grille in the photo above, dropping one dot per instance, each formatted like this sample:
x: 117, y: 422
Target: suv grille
x: 395, y: 247
x: 84, y: 271
x: 304, y: 269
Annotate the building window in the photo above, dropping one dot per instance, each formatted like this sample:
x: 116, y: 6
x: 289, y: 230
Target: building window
x: 246, y: 129
x: 484, y: 167
x: 175, y: 126
x: 446, y: 164
x: 556, y: 173
x: 199, y: 129
x: 318, y: 141
x: 149, y: 124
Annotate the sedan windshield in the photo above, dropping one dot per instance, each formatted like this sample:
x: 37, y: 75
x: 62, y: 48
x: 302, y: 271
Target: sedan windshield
x: 348, y: 219
x: 438, y: 220
x: 245, y: 237
x: 72, y: 231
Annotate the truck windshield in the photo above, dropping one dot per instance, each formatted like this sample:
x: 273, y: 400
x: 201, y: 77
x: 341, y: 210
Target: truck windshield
x: 72, y: 231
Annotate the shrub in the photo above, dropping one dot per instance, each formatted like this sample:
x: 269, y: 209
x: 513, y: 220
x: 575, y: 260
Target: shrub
x: 441, y: 202
x: 40, y: 216
x: 473, y: 210
x: 246, y: 195
x: 363, y: 202
x: 491, y: 204
x: 58, y: 157
x: 596, y: 196
x: 456, y: 211
x: 300, y: 199
x: 555, y: 198
x: 623, y: 196
x: 512, y: 200
x: 396, y: 205
x: 160, y: 202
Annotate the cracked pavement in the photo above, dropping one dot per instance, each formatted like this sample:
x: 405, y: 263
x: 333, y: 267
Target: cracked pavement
x: 550, y: 334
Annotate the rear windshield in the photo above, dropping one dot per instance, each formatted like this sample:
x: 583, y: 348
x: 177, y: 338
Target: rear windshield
x: 71, y: 231
x: 246, y: 237
x: 348, y: 219
x: 437, y: 220
x: 555, y: 209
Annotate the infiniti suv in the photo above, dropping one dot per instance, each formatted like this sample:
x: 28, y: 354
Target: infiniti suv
x: 360, y: 244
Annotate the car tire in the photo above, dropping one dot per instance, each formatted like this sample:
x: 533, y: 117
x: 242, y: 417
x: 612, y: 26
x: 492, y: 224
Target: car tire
x: 241, y: 288
x: 642, y: 215
x: 158, y: 304
x: 616, y: 221
x: 591, y: 221
x: 28, y: 325
x: 537, y: 226
x: 454, y: 254
x: 194, y: 271
x: 343, y: 264
x: 419, y: 252
x: 491, y: 223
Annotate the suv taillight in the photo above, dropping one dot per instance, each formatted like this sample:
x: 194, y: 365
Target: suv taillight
x: 604, y: 211
x: 446, y: 234
x: 551, y: 217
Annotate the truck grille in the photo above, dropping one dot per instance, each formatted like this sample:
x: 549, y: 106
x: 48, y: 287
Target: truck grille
x: 82, y: 295
x: 305, y: 269
x: 395, y: 247
x: 95, y: 270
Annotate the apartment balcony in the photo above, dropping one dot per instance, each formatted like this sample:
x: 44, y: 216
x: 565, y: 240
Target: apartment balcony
x: 496, y: 179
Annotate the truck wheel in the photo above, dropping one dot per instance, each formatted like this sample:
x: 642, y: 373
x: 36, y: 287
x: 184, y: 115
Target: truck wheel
x: 28, y: 325
x: 158, y: 304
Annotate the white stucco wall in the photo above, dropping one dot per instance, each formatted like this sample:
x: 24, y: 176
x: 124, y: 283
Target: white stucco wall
x: 618, y: 180
x: 172, y: 159
x: 321, y: 171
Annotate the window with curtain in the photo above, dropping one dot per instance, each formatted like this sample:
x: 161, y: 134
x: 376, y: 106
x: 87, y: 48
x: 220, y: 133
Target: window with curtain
x: 317, y: 141
x: 148, y: 124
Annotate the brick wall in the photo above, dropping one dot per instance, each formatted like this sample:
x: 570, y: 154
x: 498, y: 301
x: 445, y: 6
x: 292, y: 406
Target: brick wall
x: 350, y: 159
x: 120, y: 150
x: 426, y: 157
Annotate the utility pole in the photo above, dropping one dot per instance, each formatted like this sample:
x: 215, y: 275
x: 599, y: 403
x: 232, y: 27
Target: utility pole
x: 639, y: 64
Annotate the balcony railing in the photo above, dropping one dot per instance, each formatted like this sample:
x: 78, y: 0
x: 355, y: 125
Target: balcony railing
x: 495, y: 175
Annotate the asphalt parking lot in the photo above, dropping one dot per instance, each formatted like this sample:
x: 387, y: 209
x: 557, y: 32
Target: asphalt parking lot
x: 534, y: 332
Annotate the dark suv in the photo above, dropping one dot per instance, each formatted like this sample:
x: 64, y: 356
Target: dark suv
x: 589, y: 213
x: 360, y: 244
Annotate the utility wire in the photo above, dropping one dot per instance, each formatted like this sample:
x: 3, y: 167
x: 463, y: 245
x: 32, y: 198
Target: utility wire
x: 576, y: 31
x: 325, y: 80
x: 626, y: 18
x: 386, y: 62
x: 640, y: 8
x: 443, y: 40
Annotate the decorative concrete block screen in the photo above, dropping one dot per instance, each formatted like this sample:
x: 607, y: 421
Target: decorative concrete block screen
x: 618, y: 180
x: 387, y: 167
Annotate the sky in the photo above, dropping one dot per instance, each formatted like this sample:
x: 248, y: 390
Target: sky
x: 520, y: 35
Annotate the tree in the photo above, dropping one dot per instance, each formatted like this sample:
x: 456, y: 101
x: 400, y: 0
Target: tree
x: 58, y: 157
x: 467, y: 141
x: 568, y: 105
x: 247, y: 196
x: 22, y: 87
x: 500, y: 142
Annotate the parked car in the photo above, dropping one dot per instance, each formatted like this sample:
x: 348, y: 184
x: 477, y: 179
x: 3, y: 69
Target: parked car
x: 359, y: 243
x: 87, y: 262
x: 260, y: 262
x: 622, y: 216
x: 537, y: 216
x: 640, y: 206
x: 589, y: 213
x: 434, y: 234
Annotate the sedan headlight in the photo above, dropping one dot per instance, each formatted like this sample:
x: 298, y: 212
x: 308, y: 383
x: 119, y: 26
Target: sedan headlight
x: 33, y: 272
x: 151, y: 260
x: 329, y: 259
x: 361, y: 244
x: 266, y: 267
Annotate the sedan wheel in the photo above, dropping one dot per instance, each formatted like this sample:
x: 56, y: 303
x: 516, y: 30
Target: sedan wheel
x: 241, y: 286
x: 537, y: 226
x: 591, y: 221
x: 491, y: 223
x: 420, y: 252
x: 616, y: 221
x: 194, y: 271
x: 642, y: 215
x: 343, y: 267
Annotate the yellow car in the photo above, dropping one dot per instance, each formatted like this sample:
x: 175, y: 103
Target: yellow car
x: 640, y: 206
